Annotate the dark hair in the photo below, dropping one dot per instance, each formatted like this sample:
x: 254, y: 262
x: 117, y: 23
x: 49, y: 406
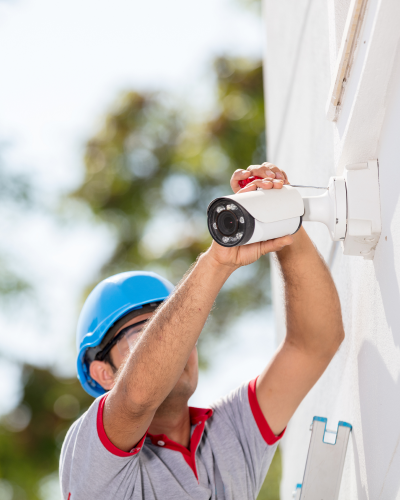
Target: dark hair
x: 107, y: 359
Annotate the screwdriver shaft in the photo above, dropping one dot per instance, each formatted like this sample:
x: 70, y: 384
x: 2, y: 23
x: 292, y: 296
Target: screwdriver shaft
x: 313, y: 187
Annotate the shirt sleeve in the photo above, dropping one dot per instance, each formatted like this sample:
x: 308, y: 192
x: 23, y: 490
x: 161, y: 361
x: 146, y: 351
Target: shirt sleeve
x: 90, y: 465
x: 244, y: 433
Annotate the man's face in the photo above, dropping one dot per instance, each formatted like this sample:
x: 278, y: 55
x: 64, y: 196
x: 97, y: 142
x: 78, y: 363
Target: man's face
x: 103, y: 373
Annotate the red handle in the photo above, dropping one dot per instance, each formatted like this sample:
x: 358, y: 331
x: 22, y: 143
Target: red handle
x: 244, y: 182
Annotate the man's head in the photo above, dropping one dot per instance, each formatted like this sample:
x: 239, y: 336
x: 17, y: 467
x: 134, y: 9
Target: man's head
x: 111, y: 322
x: 121, y: 341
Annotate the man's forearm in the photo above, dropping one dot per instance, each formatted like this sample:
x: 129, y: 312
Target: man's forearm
x: 154, y: 367
x: 313, y: 313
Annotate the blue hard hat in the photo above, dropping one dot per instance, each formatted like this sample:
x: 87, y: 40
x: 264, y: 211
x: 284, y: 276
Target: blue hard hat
x: 109, y: 301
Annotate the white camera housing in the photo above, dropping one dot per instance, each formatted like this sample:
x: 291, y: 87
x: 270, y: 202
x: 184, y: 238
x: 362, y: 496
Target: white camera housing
x: 261, y: 215
x: 277, y: 212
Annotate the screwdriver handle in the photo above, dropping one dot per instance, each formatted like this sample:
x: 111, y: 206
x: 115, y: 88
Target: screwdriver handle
x: 244, y: 182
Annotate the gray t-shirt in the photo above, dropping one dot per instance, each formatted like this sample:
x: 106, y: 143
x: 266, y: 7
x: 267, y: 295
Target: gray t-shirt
x: 231, y: 448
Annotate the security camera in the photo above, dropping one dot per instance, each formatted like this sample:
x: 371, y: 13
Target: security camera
x: 245, y: 218
x: 349, y: 208
x: 261, y: 215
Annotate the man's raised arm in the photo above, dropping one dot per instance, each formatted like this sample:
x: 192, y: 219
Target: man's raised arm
x: 313, y: 335
x: 159, y: 357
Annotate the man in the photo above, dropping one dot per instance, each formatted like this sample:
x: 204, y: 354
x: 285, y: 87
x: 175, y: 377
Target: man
x: 140, y: 440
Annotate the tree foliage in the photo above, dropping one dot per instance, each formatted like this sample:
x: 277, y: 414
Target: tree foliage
x: 32, y: 434
x: 15, y: 193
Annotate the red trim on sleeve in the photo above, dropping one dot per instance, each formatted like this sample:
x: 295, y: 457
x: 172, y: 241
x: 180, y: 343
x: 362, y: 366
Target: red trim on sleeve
x: 104, y: 438
x: 258, y: 415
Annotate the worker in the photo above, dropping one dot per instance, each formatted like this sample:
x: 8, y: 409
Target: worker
x: 137, y: 339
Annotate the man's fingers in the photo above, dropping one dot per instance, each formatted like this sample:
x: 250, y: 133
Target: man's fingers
x: 286, y: 177
x: 276, y: 245
x: 278, y: 183
x: 278, y: 173
x: 263, y: 184
x: 263, y: 170
x: 258, y: 183
x: 271, y: 178
x: 238, y: 175
x: 250, y: 187
x: 268, y: 170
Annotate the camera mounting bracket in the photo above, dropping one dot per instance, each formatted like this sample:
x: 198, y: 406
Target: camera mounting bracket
x: 329, y: 208
x: 364, y: 224
x: 350, y: 209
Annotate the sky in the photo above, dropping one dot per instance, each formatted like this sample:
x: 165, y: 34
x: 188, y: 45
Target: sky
x: 63, y: 64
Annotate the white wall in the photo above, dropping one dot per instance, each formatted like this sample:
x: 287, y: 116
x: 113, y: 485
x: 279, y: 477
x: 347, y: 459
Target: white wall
x: 362, y: 384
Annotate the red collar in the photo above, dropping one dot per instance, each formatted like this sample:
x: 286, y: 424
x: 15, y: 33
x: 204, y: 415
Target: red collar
x: 198, y: 414
x: 198, y: 417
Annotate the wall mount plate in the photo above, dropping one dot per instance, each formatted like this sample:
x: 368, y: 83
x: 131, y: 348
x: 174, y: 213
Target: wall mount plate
x: 364, y: 225
x: 350, y: 209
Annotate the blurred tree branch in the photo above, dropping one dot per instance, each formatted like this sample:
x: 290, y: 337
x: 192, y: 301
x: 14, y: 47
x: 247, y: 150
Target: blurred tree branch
x: 31, y: 435
x: 15, y: 191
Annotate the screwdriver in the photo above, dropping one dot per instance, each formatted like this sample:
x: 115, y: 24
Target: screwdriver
x: 252, y: 178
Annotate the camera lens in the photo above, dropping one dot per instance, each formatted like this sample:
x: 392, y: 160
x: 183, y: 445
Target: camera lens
x: 227, y: 223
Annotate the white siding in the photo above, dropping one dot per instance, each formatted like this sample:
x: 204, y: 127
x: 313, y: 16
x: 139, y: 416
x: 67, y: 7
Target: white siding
x: 362, y: 384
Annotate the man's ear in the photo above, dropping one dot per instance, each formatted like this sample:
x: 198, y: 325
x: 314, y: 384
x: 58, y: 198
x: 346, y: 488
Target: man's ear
x: 102, y: 373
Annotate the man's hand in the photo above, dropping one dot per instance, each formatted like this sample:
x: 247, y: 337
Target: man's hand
x: 272, y: 178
